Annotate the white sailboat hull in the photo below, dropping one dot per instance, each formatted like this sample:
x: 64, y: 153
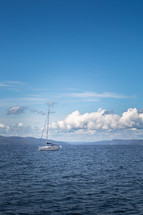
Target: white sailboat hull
x: 49, y: 148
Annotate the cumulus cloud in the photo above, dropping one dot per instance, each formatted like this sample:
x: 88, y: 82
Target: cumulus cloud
x: 16, y: 110
x: 101, y: 120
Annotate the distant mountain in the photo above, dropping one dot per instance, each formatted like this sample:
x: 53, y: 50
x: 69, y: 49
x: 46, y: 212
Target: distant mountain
x: 127, y: 142
x: 38, y: 141
x: 111, y: 142
x: 29, y: 140
x: 119, y: 142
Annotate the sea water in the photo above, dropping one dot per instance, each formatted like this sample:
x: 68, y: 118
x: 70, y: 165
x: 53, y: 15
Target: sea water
x: 81, y: 179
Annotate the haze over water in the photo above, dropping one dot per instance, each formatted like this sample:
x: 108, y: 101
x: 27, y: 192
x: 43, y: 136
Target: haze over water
x: 79, y: 179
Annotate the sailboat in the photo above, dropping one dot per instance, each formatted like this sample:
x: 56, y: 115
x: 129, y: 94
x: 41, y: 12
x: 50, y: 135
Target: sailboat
x: 49, y: 146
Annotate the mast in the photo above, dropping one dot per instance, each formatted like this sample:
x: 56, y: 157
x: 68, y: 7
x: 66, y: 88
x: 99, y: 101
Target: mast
x: 48, y: 123
x: 45, y: 130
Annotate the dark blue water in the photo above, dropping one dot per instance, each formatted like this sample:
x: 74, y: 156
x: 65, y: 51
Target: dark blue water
x: 75, y: 180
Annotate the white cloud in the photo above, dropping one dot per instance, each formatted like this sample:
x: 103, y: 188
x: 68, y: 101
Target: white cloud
x: 19, y: 125
x: 10, y: 83
x: 16, y: 110
x: 94, y: 96
x: 34, y: 99
x: 19, y: 129
x: 31, y: 99
x: 2, y: 125
x: 100, y: 121
x: 3, y: 128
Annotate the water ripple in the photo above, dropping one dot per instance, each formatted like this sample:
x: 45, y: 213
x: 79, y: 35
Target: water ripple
x: 99, y: 180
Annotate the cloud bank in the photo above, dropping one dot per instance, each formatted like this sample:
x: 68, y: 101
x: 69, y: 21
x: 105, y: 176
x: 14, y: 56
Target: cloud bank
x: 100, y: 125
x: 101, y: 120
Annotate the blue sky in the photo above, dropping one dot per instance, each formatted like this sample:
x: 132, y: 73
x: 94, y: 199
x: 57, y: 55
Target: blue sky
x: 83, y: 55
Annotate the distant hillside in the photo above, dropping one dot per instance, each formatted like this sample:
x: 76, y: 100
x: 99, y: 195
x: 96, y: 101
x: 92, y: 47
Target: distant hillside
x: 29, y: 140
x: 127, y: 142
x: 111, y: 142
x: 119, y: 142
x: 32, y: 140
